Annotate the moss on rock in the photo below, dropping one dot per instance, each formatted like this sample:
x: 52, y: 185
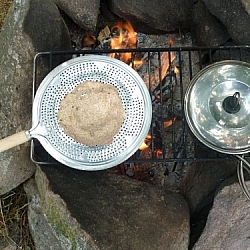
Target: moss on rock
x: 64, y: 227
x: 4, y: 7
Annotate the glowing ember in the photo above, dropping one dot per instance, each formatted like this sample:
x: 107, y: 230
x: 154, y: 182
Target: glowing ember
x: 171, y: 41
x: 158, y: 153
x: 169, y: 123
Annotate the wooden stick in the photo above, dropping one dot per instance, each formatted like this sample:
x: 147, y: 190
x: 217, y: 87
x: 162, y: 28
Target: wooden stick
x: 13, y: 140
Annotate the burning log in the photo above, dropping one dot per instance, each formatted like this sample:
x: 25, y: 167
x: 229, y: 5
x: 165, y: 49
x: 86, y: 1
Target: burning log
x: 104, y: 38
x: 162, y: 83
x: 162, y: 110
x: 164, y: 87
x: 120, y: 36
x: 159, y: 69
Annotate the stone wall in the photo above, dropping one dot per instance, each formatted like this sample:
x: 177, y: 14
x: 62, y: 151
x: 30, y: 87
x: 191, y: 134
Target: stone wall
x: 136, y: 215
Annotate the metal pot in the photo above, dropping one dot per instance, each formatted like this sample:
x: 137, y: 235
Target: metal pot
x: 217, y: 110
x: 217, y: 106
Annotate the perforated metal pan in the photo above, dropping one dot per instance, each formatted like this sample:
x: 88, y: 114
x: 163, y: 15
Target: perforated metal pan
x: 61, y: 81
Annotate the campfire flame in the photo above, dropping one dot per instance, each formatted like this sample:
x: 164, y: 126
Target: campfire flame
x: 176, y: 70
x: 146, y: 143
x: 123, y: 37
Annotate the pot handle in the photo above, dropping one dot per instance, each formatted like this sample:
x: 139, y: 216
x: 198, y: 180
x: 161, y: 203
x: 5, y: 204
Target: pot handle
x: 243, y: 164
x: 13, y: 140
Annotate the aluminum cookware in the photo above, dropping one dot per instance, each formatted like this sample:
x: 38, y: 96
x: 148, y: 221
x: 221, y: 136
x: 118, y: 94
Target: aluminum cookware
x: 217, y: 106
x: 61, y: 81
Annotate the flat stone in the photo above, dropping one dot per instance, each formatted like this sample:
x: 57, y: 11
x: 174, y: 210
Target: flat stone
x: 116, y: 211
x: 150, y: 16
x: 82, y: 12
x: 50, y: 223
x: 202, y: 179
x: 227, y: 225
x: 234, y: 14
x: 205, y: 28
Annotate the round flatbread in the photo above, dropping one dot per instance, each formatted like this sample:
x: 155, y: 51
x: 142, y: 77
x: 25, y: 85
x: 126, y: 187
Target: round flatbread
x: 92, y: 113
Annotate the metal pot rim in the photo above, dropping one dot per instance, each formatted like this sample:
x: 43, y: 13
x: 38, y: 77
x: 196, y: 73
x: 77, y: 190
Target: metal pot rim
x: 203, y: 106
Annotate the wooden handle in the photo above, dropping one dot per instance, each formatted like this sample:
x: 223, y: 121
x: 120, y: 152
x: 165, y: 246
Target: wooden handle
x: 13, y: 140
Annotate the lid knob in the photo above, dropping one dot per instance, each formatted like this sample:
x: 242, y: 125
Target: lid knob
x: 231, y: 104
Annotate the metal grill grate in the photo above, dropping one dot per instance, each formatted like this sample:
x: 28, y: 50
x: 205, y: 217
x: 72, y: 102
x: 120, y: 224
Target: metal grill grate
x: 166, y: 72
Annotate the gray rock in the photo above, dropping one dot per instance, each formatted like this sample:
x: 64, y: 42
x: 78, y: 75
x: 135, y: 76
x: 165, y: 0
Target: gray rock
x: 235, y: 17
x: 45, y: 27
x: 50, y: 222
x: 246, y: 5
x: 206, y: 29
x: 116, y: 211
x: 10, y: 247
x: 227, y: 225
x: 82, y: 12
x: 202, y: 179
x: 150, y: 16
x: 23, y: 35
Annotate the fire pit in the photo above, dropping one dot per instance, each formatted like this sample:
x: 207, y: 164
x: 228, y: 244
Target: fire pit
x: 166, y: 72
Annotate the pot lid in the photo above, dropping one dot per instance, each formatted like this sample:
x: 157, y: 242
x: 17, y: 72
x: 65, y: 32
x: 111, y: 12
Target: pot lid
x: 217, y: 106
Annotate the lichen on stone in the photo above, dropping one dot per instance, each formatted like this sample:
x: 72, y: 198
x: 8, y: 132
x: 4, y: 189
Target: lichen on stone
x: 64, y: 227
x: 4, y: 7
